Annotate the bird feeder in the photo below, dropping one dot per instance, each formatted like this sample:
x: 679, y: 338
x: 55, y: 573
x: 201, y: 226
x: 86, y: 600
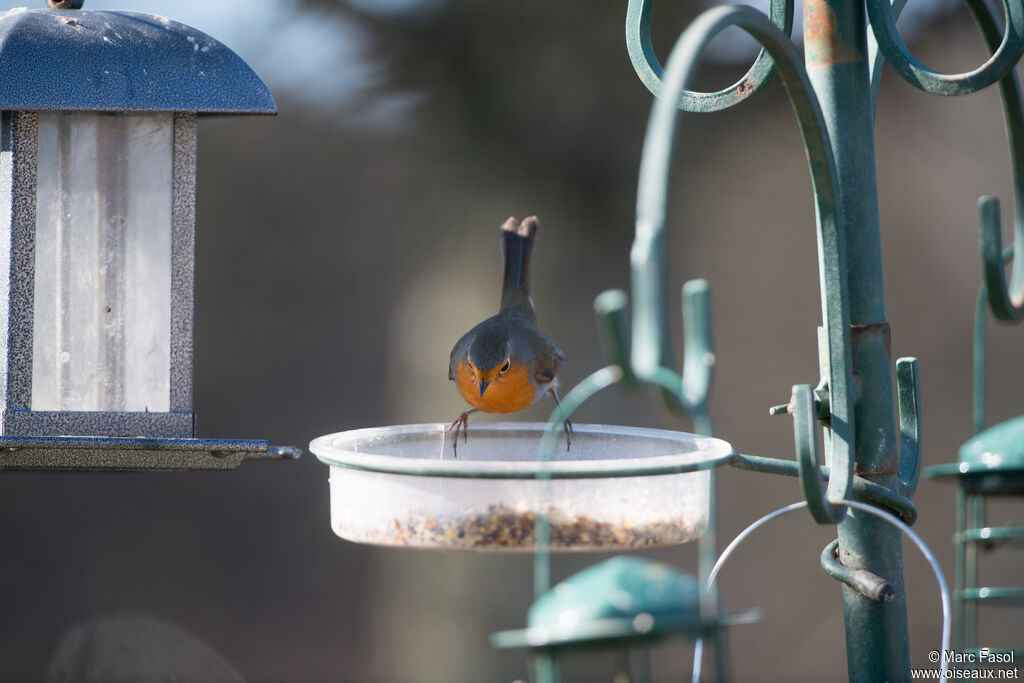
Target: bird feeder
x: 97, y: 202
x: 622, y: 603
x: 618, y: 488
x: 991, y: 464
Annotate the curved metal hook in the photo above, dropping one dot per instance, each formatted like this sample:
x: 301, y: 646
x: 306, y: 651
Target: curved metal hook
x: 698, y: 358
x: 592, y: 384
x: 648, y: 68
x: 595, y: 382
x: 1006, y: 302
x: 805, y: 436
x: 687, y: 395
x: 1005, y: 57
x: 978, y: 352
x: 908, y: 389
x: 610, y: 308
x: 651, y: 351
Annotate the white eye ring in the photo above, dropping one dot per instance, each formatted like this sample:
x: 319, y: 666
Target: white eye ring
x: 505, y: 366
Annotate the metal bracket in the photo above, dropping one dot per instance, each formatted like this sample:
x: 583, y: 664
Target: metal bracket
x: 908, y: 391
x: 808, y: 405
x: 808, y: 456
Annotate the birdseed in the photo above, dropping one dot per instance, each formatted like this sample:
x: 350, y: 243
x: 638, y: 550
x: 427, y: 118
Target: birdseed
x: 506, y: 528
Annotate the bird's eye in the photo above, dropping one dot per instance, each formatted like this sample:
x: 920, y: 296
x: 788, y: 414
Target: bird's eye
x: 505, y: 366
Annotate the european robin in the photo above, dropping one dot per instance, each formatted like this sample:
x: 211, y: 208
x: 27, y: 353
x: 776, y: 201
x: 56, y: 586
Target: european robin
x: 505, y: 364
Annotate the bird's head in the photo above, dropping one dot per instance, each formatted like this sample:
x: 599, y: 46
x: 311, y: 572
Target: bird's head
x: 489, y: 359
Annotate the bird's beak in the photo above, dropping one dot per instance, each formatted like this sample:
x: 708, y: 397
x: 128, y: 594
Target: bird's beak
x: 483, y: 387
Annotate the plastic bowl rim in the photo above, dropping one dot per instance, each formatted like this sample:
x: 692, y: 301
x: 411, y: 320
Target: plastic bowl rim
x: 716, y: 454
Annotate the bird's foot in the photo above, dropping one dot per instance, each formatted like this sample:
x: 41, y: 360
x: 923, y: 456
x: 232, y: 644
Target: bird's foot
x: 567, y: 425
x: 460, y: 425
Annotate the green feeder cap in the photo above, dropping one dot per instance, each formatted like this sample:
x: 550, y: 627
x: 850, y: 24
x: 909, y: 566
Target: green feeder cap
x: 997, y: 448
x: 620, y: 598
x: 995, y: 458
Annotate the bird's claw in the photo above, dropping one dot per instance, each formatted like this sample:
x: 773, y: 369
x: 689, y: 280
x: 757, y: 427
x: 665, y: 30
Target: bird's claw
x: 461, y: 424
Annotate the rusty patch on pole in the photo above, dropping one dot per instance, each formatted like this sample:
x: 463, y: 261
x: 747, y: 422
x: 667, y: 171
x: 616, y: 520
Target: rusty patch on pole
x: 858, y: 333
x: 822, y: 43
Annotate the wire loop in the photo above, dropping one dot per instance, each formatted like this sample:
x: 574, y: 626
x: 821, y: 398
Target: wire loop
x: 940, y: 578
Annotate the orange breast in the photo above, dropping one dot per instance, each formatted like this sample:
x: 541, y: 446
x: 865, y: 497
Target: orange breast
x: 507, y: 393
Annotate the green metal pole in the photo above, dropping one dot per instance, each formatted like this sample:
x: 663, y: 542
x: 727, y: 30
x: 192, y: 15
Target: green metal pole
x: 975, y: 520
x: 836, y: 53
x: 544, y: 667
x: 960, y: 543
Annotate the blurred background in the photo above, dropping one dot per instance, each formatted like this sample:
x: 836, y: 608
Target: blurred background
x: 344, y: 246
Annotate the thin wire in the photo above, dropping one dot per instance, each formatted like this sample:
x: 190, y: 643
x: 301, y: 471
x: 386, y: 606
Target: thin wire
x: 881, y: 514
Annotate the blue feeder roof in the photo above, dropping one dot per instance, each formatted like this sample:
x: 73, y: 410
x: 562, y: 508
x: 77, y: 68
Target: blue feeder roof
x: 121, y: 61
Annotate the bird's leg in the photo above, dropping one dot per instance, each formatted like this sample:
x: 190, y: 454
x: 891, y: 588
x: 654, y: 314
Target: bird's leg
x: 567, y: 425
x: 461, y: 424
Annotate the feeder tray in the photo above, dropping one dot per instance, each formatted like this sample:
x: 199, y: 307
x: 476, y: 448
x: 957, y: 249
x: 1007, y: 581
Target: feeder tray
x: 617, y: 487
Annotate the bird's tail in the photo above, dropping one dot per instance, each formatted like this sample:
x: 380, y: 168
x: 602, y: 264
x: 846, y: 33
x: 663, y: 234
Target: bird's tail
x: 516, y: 243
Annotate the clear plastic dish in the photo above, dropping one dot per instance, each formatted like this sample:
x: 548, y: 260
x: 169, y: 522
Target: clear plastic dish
x: 617, y: 488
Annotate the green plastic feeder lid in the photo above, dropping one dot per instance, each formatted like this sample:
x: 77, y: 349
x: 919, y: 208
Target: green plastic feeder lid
x: 620, y: 598
x: 997, y: 450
